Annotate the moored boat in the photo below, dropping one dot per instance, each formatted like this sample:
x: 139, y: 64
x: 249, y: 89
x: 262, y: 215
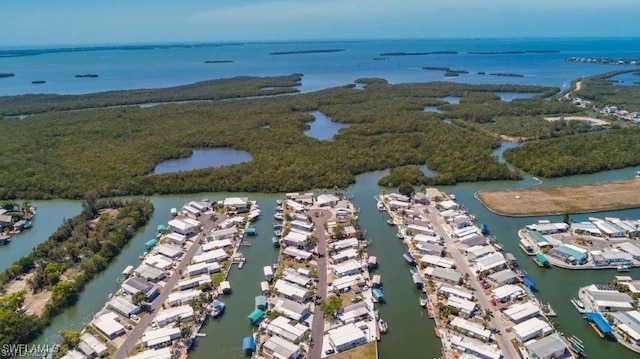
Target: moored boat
x: 380, y: 206
x: 383, y: 326
x: 279, y: 216
x: 174, y: 212
x: 390, y: 222
x: 622, y: 268
x: 422, y: 301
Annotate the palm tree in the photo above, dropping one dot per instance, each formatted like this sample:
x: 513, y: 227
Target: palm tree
x: 138, y: 297
x: 487, y: 314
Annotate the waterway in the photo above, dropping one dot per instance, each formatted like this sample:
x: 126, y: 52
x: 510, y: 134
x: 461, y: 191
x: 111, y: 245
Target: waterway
x: 204, y: 158
x: 410, y: 333
x: 322, y: 128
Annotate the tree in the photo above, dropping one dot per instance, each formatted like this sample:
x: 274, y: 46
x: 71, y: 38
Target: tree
x: 138, y: 297
x: 487, y: 314
x: 70, y: 338
x: 405, y: 188
x: 331, y: 306
x: 565, y: 217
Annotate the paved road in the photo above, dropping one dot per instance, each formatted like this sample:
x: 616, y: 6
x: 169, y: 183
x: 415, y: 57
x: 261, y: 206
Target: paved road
x: 136, y: 333
x: 508, y: 350
x: 319, y: 217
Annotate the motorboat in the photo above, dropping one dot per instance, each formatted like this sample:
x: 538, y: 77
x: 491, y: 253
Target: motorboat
x: 383, y: 326
x: 422, y: 301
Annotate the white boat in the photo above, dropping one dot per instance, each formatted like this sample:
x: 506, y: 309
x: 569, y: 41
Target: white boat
x: 383, y: 326
x: 174, y: 212
x: 622, y: 268
x: 390, y: 222
x: 452, y: 196
x: 423, y: 301
x: 380, y: 206
x: 278, y: 216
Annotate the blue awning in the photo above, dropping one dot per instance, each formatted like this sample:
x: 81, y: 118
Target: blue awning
x: 255, y: 316
x: 599, y: 321
x: 528, y: 282
x: 261, y: 302
x: 248, y: 344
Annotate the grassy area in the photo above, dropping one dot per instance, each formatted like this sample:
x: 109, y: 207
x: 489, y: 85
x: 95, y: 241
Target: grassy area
x: 603, y: 196
x: 367, y: 351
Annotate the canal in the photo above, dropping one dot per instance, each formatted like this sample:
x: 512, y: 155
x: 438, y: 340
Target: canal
x: 410, y: 333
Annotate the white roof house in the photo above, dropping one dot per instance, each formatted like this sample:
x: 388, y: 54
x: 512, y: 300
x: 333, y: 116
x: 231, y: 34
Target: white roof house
x: 158, y: 261
x: 280, y: 327
x: 225, y: 233
x: 182, y: 297
x: 609, y: 229
x: 520, y: 312
x: 503, y: 293
x: 327, y: 200
x: 170, y: 315
x: 293, y: 276
x: 297, y: 253
x: 357, y: 311
x: 476, y: 252
x: 346, y: 337
x: 491, y: 262
x: 236, y: 202
x: 423, y: 238
x: 223, y: 243
x: 417, y: 229
x: 342, y: 256
x: 449, y: 291
x: 91, y: 346
x: 448, y: 205
x: 123, y: 306
x: 302, y: 225
x: 215, y: 255
x: 346, y: 281
x: 472, y: 346
x: 74, y: 354
x: 194, y: 282
x: 551, y: 346
x: 462, y: 232
x: 169, y: 250
x: 628, y: 322
x: 474, y: 329
x: 295, y: 239
x: 437, y: 261
x: 280, y: 348
x: 473, y: 239
x: 295, y: 206
x: 200, y: 268
x: 345, y: 243
x: 162, y: 353
x: 107, y: 325
x: 290, y: 309
x: 149, y: 273
x: 630, y: 248
x: 549, y: 228
x: 176, y: 238
x: 506, y: 276
x: 393, y: 204
x: 181, y: 227
x: 348, y: 267
x: 466, y: 307
x: 290, y: 290
x: 608, y: 299
x: 160, y: 337
x: 444, y: 274
x: 532, y: 328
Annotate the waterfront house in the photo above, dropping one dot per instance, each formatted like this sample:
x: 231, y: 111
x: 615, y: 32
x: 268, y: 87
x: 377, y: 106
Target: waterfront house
x: 346, y: 337
x: 290, y: 309
x: 108, y: 326
x: 281, y: 348
x: 629, y: 324
x: 298, y: 254
x: 160, y: 337
x: 280, y: 327
x: 476, y: 252
x: 170, y: 315
x: 162, y: 353
x: 182, y: 297
x: 448, y: 205
x: 433, y: 194
x: 609, y: 229
x: 355, y: 312
x: 418, y: 229
x: 342, y: 284
x: 459, y: 292
x: 344, y: 255
x: 200, y: 268
x: 425, y: 239
x: 225, y: 287
x: 444, y: 275
x: 170, y: 251
x: 397, y: 197
x: 431, y: 249
x: 551, y: 346
x: 75, y: 354
x: 630, y: 248
x: 520, y: 312
x: 463, y: 232
x: 461, y: 221
x: 295, y: 239
x: 158, y: 261
x: 548, y: 228
x: 507, y: 292
x: 345, y: 243
x: 302, y: 225
x: 238, y: 204
x: 325, y: 200
x: 437, y: 261
x: 223, y: 243
x: 348, y: 267
x: 181, y: 227
x: 131, y: 286
x: 290, y: 290
x: 194, y: 282
x: 469, y: 328
x: 216, y: 255
x: 225, y: 233
x: 586, y: 229
x: 200, y: 206
x: 492, y: 262
x: 569, y: 254
x: 475, y: 347
x: 465, y: 307
x: 187, y: 210
x: 5, y: 220
x: 176, y: 238
x: 532, y: 328
x: 473, y: 239
x: 506, y: 276
x: 149, y: 273
x: 606, y: 298
x: 395, y: 205
x: 611, y: 258
x: 123, y: 305
x: 91, y: 346
x: 293, y: 276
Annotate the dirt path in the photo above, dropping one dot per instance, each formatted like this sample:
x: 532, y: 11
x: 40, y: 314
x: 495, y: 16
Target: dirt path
x: 603, y: 196
x: 33, y: 302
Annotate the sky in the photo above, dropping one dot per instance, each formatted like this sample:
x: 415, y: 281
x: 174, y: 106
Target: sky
x: 68, y: 22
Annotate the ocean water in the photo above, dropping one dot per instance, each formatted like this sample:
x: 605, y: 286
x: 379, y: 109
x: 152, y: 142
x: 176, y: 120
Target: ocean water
x: 151, y: 67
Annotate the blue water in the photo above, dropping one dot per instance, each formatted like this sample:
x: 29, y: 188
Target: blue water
x: 322, y: 128
x: 205, y: 158
x: 161, y: 67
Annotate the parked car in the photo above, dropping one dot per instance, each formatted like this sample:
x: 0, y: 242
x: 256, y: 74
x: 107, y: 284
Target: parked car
x: 128, y: 326
x: 329, y: 351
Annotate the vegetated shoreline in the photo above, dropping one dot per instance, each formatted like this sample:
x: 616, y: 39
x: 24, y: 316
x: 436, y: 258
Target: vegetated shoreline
x: 306, y: 51
x: 448, y: 72
x: 585, y: 198
x: 7, y: 74
x: 401, y: 53
x: 81, y: 248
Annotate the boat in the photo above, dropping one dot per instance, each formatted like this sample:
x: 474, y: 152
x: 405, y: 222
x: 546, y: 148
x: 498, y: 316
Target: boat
x: 277, y: 225
x: 422, y: 301
x: 578, y: 304
x: 409, y: 258
x: 383, y: 326
x: 4, y: 239
x: 413, y: 270
x: 278, y: 216
x: 400, y: 235
x: 390, y: 222
x: 541, y: 260
x: 484, y: 229
x: 527, y: 247
x: 378, y: 295
x: 436, y: 331
x: 536, y: 179
x: 380, y: 206
x: 174, y: 212
x: 275, y: 241
x: 277, y: 232
x: 452, y: 196
x: 430, y: 311
x: 622, y: 268
x: 279, y: 202
x: 498, y: 247
x: 216, y: 308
